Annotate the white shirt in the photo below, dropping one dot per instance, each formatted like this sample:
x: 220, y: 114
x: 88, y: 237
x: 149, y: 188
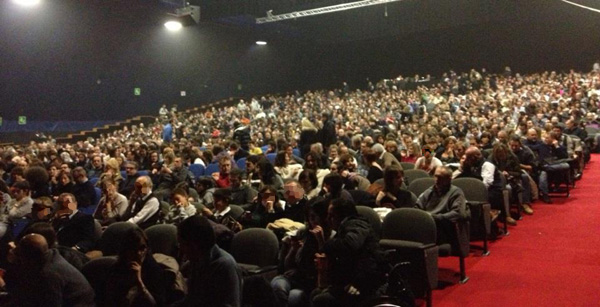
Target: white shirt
x: 487, y: 173
x: 150, y: 208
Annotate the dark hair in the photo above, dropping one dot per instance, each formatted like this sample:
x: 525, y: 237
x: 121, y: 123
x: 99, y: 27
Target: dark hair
x: 316, y: 158
x: 132, y: 163
x: 267, y: 172
x: 236, y: 172
x: 3, y: 186
x: 198, y: 230
x: 343, y: 208
x: 206, y: 181
x: 131, y: 240
x: 515, y: 138
x: 311, y: 175
x: 42, y: 228
x: 319, y: 206
x: 370, y: 156
x: 335, y: 183
x: 22, y: 185
x: 268, y: 188
x: 254, y: 158
x: 389, y: 176
x: 17, y: 170
x: 180, y: 191
x: 280, y: 158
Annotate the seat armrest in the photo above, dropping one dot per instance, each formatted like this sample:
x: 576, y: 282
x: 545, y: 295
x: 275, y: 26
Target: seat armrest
x: 402, y: 244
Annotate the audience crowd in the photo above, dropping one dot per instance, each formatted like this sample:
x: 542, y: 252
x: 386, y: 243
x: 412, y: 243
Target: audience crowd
x: 298, y: 164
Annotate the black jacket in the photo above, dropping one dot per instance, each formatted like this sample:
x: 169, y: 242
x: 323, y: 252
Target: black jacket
x: 75, y: 231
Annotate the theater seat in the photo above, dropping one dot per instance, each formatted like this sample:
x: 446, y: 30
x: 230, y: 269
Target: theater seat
x: 255, y: 250
x: 96, y: 272
x: 411, y: 234
x: 162, y: 238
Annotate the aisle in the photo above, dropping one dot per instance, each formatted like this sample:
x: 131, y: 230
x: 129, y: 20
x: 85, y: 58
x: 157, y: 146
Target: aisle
x: 550, y: 259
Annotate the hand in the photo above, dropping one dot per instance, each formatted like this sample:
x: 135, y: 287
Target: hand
x: 136, y: 269
x: 11, y: 256
x: 317, y: 231
x: 268, y: 205
x: 206, y: 212
x: 295, y: 243
x: 215, y: 176
x: 351, y: 290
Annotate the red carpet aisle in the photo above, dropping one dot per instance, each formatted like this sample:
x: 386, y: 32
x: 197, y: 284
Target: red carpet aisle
x: 550, y: 259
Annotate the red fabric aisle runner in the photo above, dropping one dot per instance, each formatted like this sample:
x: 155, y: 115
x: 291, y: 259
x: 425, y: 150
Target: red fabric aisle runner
x: 550, y: 259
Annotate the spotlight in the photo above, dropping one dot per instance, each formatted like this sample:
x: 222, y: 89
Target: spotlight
x: 183, y: 17
x: 261, y: 43
x: 26, y: 2
x: 173, y: 26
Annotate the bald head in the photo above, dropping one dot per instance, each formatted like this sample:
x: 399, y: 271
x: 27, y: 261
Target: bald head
x: 32, y: 249
x: 472, y: 156
x: 532, y: 135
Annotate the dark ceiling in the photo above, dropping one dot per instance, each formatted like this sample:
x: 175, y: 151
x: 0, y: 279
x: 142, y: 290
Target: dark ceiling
x: 88, y: 56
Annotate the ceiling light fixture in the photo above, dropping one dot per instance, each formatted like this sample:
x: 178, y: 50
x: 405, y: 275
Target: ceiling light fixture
x: 26, y: 2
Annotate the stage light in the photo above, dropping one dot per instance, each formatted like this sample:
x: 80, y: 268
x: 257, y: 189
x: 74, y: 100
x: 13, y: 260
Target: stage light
x: 26, y: 2
x: 173, y: 26
x: 261, y: 43
x: 183, y: 17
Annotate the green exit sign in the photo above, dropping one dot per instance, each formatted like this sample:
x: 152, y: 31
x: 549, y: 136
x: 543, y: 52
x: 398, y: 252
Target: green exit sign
x: 137, y: 91
x: 22, y: 120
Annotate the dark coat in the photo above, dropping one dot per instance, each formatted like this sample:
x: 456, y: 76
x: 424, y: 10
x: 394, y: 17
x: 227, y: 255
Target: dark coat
x: 75, y: 231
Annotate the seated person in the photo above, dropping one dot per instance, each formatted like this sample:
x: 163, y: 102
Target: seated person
x: 445, y: 202
x: 333, y: 187
x: 375, y: 171
x: 295, y: 201
x: 266, y: 209
x: 285, y: 168
x: 72, y: 256
x: 205, y: 186
x: 144, y: 207
x: 41, y: 277
x: 222, y: 177
x: 96, y: 168
x: 112, y: 204
x: 310, y: 183
x: 268, y: 175
x: 73, y: 228
x: 353, y: 255
x: 222, y: 211
x: 181, y: 208
x: 552, y: 156
x: 214, y: 278
x: 473, y: 165
x: 83, y: 189
x: 128, y: 184
x: 392, y: 195
x: 242, y: 194
x: 136, y: 279
x: 530, y: 169
x: 428, y: 161
x: 171, y: 176
x: 298, y: 252
x: 252, y: 177
x: 65, y: 184
x: 21, y: 204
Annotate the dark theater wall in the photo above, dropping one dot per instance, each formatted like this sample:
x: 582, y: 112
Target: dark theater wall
x: 71, y: 60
